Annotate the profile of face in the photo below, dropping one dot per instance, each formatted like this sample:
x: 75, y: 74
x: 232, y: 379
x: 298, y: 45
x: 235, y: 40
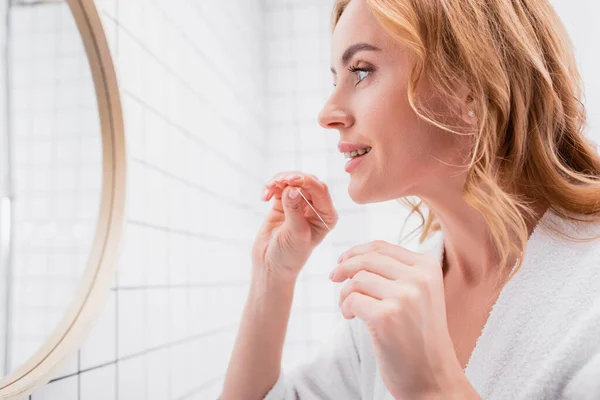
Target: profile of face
x: 370, y: 106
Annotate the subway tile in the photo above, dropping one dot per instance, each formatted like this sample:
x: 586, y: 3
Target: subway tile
x: 158, y: 378
x: 157, y: 318
x: 130, y: 322
x: 99, y: 346
x: 64, y: 389
x: 99, y: 383
x: 132, y: 378
x: 132, y: 262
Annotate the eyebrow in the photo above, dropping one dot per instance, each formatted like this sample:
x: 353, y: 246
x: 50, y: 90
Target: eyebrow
x: 352, y: 50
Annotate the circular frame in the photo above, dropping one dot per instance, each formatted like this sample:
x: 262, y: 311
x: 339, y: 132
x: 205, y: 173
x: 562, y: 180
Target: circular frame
x: 98, y: 275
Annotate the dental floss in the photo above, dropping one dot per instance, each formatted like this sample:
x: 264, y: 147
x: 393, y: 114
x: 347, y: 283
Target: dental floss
x: 299, y: 191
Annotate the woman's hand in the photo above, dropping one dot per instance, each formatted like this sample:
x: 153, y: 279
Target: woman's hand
x: 292, y: 229
x: 399, y: 294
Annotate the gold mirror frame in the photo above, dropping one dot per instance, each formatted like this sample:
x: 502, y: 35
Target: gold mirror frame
x: 97, y: 277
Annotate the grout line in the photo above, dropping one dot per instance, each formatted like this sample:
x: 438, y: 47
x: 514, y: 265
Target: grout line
x: 208, y: 238
x: 187, y: 134
x: 181, y: 80
x: 115, y: 362
x: 200, y: 188
x: 205, y: 57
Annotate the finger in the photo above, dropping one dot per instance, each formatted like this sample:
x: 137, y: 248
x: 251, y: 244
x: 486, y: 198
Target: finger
x: 294, y: 210
x: 270, y: 191
x: 385, y: 248
x: 276, y: 180
x: 281, y: 176
x: 313, y: 178
x: 307, y: 181
x: 317, y: 193
x: 387, y: 267
x: 362, y: 306
x: 274, y: 189
x: 277, y: 191
x: 281, y: 180
x: 370, y: 284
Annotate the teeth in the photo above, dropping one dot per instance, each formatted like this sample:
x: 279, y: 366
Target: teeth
x: 352, y: 154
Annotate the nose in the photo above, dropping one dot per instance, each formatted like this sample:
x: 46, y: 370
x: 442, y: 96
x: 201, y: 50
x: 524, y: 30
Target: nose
x: 332, y: 117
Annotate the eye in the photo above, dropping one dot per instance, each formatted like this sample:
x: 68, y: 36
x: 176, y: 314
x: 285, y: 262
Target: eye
x: 361, y: 71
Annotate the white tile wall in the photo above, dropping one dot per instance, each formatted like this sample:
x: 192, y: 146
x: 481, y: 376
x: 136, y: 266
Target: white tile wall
x: 193, y: 92
x: 582, y: 24
x: 67, y: 389
x: 98, y: 383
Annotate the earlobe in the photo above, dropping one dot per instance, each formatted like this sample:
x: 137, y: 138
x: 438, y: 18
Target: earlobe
x: 467, y: 103
x: 471, y: 117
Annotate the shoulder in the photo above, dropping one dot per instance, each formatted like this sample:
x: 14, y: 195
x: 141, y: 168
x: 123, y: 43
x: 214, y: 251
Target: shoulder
x: 564, y: 265
x: 576, y: 241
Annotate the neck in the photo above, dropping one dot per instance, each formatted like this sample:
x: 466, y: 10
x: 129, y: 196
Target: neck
x: 470, y: 256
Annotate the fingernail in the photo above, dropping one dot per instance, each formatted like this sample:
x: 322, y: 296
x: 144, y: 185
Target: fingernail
x: 340, y: 258
x: 293, y: 193
x: 293, y: 177
x: 331, y: 274
x: 264, y: 193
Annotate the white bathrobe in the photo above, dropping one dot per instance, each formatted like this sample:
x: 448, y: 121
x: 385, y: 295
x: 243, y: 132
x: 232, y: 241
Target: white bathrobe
x: 541, y: 339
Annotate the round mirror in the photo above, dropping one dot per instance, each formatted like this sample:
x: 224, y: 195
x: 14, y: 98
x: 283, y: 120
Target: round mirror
x: 61, y: 183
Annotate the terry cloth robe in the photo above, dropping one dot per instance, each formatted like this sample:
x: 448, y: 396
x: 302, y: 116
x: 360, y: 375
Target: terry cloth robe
x: 541, y: 339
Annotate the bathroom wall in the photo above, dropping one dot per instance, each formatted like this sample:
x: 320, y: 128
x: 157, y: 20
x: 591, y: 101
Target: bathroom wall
x: 192, y: 83
x: 581, y: 22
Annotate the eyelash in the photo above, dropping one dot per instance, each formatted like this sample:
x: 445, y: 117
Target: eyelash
x: 354, y: 69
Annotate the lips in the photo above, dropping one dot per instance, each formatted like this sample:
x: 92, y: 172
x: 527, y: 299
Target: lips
x: 346, y: 147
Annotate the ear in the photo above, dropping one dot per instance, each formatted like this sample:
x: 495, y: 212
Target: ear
x: 467, y: 110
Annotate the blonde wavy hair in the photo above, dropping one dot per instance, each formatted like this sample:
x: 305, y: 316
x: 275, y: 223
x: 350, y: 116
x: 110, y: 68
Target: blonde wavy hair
x: 516, y: 57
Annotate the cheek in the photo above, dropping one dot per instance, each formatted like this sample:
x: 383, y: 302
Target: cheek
x: 409, y: 146
x: 386, y: 115
x: 406, y: 136
x: 402, y: 137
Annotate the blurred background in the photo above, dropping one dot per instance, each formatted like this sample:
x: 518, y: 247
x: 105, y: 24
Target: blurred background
x: 217, y: 98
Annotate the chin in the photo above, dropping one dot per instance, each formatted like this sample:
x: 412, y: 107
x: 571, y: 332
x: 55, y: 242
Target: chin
x: 358, y: 195
x: 362, y: 195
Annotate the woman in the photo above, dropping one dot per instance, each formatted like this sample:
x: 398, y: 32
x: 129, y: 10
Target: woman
x: 474, y: 108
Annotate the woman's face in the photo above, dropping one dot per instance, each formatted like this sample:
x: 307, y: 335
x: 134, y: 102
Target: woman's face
x: 371, y: 107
